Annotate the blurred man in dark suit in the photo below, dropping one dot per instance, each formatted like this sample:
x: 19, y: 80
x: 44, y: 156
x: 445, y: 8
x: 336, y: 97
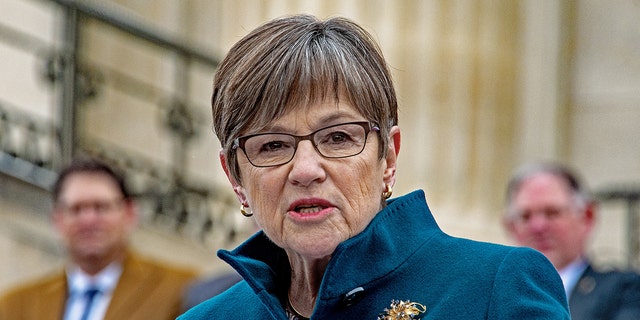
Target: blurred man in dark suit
x: 548, y: 209
x: 206, y: 288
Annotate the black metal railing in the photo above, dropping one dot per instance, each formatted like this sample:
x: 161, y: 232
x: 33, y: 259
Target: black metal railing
x: 32, y: 148
x: 27, y: 147
x: 629, y: 195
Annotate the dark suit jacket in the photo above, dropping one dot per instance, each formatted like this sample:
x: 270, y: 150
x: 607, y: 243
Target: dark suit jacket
x: 204, y: 289
x: 611, y: 295
x: 146, y: 290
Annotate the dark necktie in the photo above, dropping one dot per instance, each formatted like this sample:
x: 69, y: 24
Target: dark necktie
x: 90, y: 294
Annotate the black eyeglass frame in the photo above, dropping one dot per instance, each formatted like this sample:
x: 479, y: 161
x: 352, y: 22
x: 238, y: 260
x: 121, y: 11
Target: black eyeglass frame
x: 239, y: 143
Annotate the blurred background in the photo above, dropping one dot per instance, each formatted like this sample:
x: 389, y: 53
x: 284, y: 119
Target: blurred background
x: 483, y: 87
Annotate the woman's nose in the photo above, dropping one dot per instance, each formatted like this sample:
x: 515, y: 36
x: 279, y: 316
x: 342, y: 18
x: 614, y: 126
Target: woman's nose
x: 306, y: 165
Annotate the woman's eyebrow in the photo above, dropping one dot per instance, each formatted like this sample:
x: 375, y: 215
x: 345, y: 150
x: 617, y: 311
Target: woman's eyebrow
x: 321, y: 122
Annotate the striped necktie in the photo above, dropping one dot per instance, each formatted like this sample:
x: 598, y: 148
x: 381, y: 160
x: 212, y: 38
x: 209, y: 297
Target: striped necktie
x: 89, y: 294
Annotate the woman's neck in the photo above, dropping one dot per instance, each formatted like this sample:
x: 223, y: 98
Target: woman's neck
x: 306, y: 277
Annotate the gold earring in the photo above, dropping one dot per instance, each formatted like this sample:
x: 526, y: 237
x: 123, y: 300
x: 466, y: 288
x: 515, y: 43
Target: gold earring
x: 243, y: 210
x: 387, y: 192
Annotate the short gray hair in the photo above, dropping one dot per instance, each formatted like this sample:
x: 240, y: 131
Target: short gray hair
x: 578, y: 190
x: 291, y: 62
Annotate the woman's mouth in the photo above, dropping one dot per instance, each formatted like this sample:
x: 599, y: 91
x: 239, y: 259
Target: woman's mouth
x: 308, y: 209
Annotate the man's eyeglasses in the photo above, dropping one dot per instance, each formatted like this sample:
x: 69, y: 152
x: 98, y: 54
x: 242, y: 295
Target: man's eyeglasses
x: 336, y: 141
x: 98, y: 206
x: 551, y: 213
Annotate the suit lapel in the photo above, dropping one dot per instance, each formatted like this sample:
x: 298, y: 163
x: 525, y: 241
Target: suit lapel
x: 51, y: 299
x: 132, y: 285
x: 585, y: 285
x: 582, y: 299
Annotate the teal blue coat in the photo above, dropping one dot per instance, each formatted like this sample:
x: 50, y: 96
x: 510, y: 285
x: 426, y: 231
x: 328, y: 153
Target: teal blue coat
x: 401, y: 255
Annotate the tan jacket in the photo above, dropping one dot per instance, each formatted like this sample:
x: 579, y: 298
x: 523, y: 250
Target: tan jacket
x: 147, y: 290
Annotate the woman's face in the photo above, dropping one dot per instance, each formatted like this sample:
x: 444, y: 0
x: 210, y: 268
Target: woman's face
x: 311, y: 204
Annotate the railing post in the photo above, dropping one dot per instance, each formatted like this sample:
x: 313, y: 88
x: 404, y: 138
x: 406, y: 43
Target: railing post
x: 631, y: 196
x: 633, y: 238
x: 68, y: 98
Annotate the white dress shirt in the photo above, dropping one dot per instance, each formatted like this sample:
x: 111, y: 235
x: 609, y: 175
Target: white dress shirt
x: 571, y: 274
x: 106, y: 281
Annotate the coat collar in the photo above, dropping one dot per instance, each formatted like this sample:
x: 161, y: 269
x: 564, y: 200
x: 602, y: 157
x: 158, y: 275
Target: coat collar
x: 398, y: 230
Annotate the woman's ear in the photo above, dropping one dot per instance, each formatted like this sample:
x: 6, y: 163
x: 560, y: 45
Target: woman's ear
x: 237, y: 188
x: 391, y: 159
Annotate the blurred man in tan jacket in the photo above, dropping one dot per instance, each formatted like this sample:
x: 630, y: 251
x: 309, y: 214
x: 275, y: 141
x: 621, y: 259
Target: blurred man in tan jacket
x: 94, y: 215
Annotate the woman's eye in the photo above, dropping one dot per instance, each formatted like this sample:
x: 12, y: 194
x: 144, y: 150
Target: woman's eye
x: 337, y: 137
x: 272, y: 146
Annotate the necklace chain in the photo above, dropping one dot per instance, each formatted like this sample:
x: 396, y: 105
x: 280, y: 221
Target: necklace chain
x: 295, y: 312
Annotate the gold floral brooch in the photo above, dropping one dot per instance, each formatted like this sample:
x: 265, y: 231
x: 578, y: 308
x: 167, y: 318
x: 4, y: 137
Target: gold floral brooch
x: 403, y: 310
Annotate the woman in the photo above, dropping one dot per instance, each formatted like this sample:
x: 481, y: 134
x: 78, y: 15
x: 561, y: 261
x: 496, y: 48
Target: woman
x: 306, y: 114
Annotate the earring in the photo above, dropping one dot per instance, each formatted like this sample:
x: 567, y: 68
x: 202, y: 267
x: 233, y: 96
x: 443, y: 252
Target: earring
x: 387, y: 192
x: 243, y: 210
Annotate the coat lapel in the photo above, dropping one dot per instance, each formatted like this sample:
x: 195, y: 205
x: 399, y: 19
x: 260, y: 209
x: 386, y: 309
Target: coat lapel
x: 51, y: 299
x: 136, y: 281
x: 133, y: 283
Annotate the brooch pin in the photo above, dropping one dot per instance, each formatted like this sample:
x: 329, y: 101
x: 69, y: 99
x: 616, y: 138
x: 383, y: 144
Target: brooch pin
x: 403, y: 310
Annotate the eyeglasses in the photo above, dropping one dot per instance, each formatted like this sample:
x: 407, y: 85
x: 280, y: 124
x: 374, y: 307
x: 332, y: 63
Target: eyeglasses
x: 550, y: 214
x: 98, y: 206
x: 336, y: 141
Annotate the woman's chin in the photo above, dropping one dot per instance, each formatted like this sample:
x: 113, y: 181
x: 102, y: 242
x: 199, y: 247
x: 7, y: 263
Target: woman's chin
x: 311, y: 248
